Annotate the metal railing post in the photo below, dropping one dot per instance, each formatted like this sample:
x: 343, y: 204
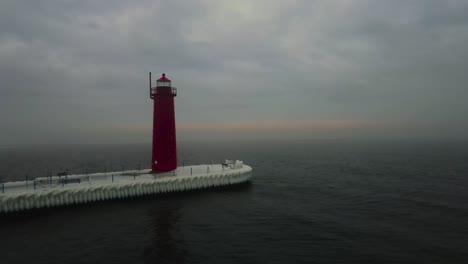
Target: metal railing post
x: 2, y: 179
x: 207, y: 169
x: 134, y: 176
x: 105, y: 173
x: 34, y: 184
x: 112, y: 177
x: 191, y: 170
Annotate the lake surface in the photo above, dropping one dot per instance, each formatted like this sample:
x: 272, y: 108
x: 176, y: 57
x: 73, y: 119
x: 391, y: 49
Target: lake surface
x: 308, y: 202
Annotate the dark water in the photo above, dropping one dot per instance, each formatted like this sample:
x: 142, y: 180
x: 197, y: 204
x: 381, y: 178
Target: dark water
x: 309, y: 202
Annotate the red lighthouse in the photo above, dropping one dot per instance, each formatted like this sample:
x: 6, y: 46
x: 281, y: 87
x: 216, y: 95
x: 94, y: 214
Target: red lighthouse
x: 164, y: 133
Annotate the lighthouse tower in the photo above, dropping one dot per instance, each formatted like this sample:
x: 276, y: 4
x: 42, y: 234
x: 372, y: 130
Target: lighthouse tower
x: 164, y: 156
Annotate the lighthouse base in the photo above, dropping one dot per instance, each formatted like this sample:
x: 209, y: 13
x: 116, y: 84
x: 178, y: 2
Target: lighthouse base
x: 77, y: 189
x: 172, y: 172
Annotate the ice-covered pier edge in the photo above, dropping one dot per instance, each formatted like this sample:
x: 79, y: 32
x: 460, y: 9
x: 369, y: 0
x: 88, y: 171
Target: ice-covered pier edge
x: 50, y: 192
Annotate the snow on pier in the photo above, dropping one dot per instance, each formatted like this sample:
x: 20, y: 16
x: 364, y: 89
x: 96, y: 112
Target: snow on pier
x: 85, y: 188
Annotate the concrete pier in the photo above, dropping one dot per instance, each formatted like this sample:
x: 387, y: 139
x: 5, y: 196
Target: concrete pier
x: 86, y: 188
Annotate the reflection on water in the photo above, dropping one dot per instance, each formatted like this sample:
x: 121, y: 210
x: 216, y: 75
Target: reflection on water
x: 169, y: 215
x: 167, y: 245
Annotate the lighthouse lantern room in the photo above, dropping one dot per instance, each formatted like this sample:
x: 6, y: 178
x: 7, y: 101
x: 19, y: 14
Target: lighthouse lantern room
x: 164, y: 153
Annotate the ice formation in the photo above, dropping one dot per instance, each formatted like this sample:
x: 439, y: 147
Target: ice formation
x: 187, y: 178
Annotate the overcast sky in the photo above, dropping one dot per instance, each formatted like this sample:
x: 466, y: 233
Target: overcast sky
x: 76, y: 71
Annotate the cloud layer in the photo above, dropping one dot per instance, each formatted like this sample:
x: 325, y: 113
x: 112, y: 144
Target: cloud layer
x: 76, y: 71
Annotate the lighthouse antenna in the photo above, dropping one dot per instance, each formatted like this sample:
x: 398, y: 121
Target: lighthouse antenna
x: 150, y: 85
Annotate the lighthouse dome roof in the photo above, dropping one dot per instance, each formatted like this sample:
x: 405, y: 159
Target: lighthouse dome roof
x: 163, y: 78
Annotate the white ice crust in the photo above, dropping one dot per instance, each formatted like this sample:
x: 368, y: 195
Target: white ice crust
x: 99, y: 186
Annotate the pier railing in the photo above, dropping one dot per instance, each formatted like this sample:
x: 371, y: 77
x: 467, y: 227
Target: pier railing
x: 63, y: 179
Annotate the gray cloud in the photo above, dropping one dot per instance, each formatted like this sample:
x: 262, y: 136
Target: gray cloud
x: 76, y: 71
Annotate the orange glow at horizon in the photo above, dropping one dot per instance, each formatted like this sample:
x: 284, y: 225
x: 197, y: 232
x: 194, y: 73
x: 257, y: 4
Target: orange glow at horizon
x: 271, y: 126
